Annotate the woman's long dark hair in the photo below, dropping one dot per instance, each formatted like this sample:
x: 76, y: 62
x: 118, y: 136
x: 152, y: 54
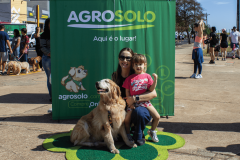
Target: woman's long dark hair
x: 46, y: 31
x: 116, y: 75
x: 16, y: 31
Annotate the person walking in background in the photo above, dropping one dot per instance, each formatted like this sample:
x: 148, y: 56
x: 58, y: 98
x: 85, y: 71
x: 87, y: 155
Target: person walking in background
x: 233, y: 38
x: 213, y: 43
x: 204, y: 38
x: 38, y: 47
x: 46, y: 58
x: 24, y: 45
x: 180, y: 37
x: 4, y: 39
x: 16, y: 43
x: 224, y: 44
x: 197, y: 54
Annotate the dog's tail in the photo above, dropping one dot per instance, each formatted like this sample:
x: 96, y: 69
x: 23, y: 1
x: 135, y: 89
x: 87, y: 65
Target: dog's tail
x: 63, y: 80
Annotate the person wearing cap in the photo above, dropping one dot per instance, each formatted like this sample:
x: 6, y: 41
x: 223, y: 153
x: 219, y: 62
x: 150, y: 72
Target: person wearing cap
x: 233, y: 37
x: 224, y: 44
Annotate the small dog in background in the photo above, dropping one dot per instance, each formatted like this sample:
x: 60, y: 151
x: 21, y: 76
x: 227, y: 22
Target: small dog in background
x: 25, y: 65
x: 14, y: 66
x: 35, y: 63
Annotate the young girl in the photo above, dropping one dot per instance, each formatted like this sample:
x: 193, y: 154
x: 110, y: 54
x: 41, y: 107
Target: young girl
x: 197, y: 53
x: 137, y: 84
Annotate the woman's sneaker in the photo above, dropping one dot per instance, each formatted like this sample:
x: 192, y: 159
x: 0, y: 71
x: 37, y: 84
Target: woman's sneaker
x: 153, y: 135
x: 130, y: 138
x: 198, y: 76
x: 193, y: 76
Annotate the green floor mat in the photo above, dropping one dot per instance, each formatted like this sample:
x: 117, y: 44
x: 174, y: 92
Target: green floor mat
x: 151, y: 150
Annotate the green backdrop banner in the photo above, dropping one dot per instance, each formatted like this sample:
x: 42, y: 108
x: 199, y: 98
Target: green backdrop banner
x: 86, y: 37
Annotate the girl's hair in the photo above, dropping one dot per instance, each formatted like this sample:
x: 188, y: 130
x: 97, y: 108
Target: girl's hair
x: 214, y: 29
x: 46, y: 32
x: 24, y: 30
x: 139, y: 58
x: 196, y: 24
x: 116, y: 75
x: 16, y: 31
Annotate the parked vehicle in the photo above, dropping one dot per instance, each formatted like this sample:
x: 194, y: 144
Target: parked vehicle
x: 32, y: 41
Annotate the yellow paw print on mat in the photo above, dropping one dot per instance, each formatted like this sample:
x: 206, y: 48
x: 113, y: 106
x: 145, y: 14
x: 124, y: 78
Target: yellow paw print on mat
x: 156, y: 151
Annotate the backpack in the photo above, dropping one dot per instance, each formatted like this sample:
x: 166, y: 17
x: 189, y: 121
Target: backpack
x: 215, y: 39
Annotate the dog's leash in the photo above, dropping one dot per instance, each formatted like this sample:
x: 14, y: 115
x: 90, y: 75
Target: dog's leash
x: 14, y: 57
x: 110, y: 119
x: 21, y: 56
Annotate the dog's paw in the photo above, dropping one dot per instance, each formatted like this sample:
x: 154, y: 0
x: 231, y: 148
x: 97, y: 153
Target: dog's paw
x: 115, y: 151
x: 134, y: 146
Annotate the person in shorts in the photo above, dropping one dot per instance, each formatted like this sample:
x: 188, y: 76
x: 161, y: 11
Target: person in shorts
x: 212, y: 45
x: 233, y: 37
x: 4, y: 39
x: 224, y: 44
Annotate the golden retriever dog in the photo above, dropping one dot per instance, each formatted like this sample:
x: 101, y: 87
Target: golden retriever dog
x: 75, y: 79
x: 34, y: 62
x: 96, y: 128
x: 25, y: 65
x: 14, y: 66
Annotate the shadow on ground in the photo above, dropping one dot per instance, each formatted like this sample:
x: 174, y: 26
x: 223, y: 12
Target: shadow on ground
x: 26, y: 98
x: 181, y: 77
x: 187, y: 128
x: 233, y: 148
x: 46, y: 118
x: 186, y: 62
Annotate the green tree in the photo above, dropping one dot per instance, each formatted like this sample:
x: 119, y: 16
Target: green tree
x: 187, y: 13
x: 207, y: 30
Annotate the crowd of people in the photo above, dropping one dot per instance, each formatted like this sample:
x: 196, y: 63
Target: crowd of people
x: 218, y: 44
x: 19, y: 49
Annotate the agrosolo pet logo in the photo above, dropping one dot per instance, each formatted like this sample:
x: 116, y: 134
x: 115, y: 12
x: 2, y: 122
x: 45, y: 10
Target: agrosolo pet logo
x: 85, y: 19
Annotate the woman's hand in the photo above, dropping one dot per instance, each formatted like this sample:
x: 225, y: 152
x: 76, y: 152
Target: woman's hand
x: 132, y: 106
x: 129, y: 100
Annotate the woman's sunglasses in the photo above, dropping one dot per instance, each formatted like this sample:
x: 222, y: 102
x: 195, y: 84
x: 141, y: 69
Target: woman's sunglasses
x: 122, y: 58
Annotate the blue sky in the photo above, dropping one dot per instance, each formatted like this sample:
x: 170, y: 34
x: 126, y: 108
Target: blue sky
x: 222, y: 13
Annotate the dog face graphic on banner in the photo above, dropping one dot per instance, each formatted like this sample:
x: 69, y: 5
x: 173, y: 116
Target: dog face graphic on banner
x: 73, y: 81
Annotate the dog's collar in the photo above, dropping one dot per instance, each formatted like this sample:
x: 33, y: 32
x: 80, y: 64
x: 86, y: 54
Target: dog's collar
x: 110, y: 119
x: 78, y: 83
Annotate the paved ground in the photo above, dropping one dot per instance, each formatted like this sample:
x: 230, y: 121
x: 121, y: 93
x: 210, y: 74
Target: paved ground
x: 206, y: 113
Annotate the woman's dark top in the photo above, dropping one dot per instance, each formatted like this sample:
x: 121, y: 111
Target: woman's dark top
x: 213, y: 35
x: 224, y: 43
x: 123, y: 91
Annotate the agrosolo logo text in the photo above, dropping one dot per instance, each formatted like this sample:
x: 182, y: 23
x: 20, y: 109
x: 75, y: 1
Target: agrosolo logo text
x: 86, y: 18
